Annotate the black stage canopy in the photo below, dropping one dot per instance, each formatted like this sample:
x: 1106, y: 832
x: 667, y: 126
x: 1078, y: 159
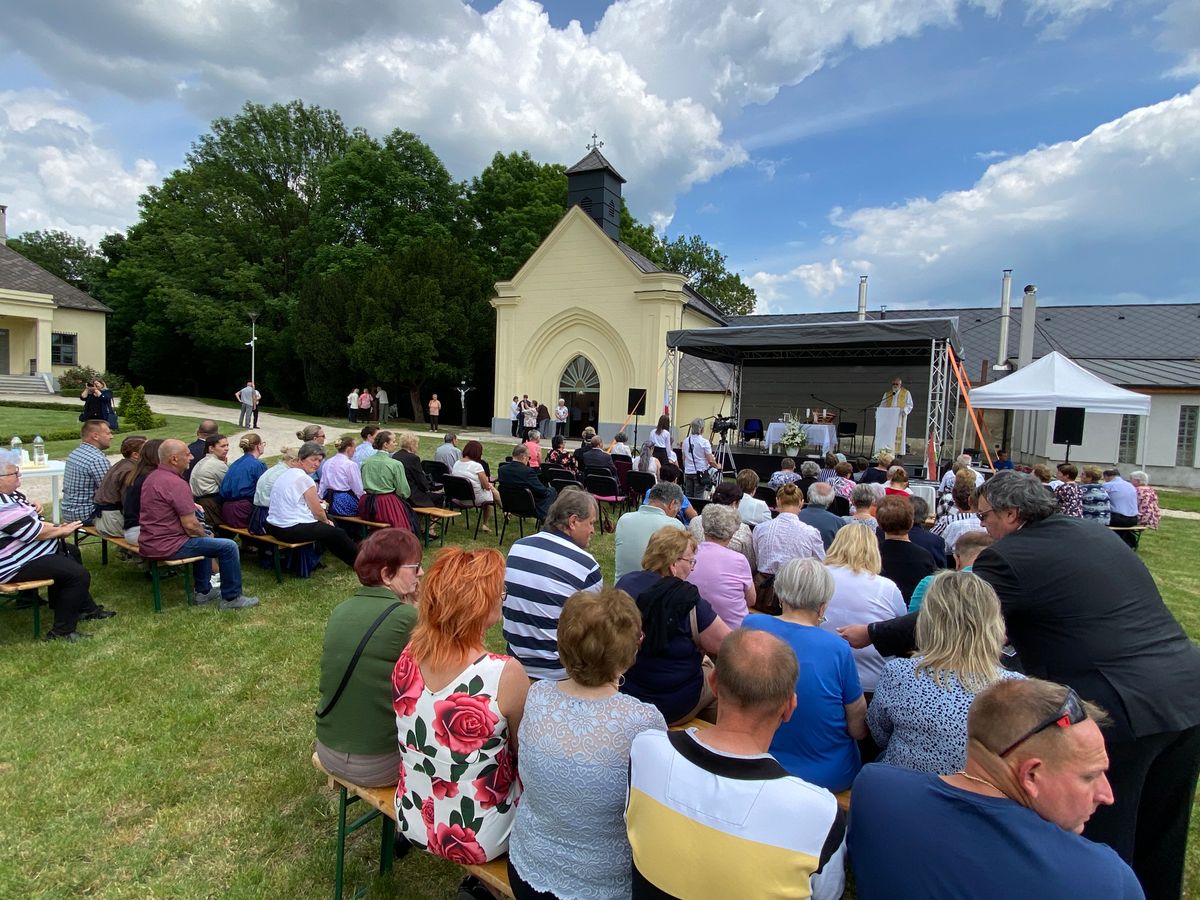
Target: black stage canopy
x: 883, y: 339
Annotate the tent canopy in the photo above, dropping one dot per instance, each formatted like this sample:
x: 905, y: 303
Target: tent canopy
x: 1055, y: 381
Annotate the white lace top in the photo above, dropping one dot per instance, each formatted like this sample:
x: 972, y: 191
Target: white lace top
x: 569, y: 835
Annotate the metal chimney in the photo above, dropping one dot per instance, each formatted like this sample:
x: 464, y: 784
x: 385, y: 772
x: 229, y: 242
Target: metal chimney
x: 3, y: 224
x: 1005, y: 294
x: 862, y: 298
x: 1028, y: 325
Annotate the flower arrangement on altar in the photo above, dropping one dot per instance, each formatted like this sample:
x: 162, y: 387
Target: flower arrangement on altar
x: 793, y: 434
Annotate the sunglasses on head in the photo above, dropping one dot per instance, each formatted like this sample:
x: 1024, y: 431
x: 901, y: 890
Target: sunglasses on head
x: 1070, y: 713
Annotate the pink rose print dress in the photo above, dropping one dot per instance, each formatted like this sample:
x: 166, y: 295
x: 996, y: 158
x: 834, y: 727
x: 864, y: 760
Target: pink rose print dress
x: 458, y: 785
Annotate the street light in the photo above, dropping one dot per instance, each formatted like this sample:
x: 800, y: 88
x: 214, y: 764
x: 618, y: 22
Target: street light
x: 251, y: 344
x: 463, y: 390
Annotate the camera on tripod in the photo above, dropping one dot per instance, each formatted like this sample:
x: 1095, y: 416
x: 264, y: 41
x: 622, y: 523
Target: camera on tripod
x: 722, y: 424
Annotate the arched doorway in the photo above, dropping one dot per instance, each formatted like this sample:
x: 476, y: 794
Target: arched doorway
x: 579, y: 386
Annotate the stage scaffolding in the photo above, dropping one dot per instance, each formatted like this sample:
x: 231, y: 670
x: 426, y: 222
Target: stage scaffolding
x: 897, y: 341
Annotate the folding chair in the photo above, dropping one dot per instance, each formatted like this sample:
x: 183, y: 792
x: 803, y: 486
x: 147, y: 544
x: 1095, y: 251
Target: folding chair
x: 753, y: 430
x: 517, y: 502
x: 435, y: 470
x: 624, y: 466
x: 604, y: 488
x: 461, y: 495
x: 639, y: 483
x: 766, y: 495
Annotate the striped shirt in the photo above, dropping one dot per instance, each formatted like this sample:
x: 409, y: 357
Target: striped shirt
x: 541, y: 572
x: 85, y: 469
x: 19, y: 528
x: 705, y: 824
x: 954, y: 525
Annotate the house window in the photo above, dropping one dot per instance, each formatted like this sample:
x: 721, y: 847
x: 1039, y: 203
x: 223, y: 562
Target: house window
x: 1127, y: 446
x: 64, y: 349
x: 1185, y: 449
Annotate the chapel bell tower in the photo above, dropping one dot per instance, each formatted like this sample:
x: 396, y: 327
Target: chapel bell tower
x: 595, y: 186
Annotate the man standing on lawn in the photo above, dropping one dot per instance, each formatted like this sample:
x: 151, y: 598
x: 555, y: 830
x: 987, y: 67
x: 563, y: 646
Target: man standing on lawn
x: 246, y: 398
x: 170, y: 530
x: 86, y: 467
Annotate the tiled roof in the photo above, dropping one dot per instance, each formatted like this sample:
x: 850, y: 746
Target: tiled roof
x: 696, y: 374
x: 19, y: 274
x: 696, y: 300
x: 1143, y: 345
x: 594, y: 161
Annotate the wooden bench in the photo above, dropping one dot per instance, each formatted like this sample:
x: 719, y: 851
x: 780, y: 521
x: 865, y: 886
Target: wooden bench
x: 247, y: 535
x: 1135, y: 529
x: 365, y: 525
x: 429, y: 514
x: 154, y: 564
x: 21, y: 587
x: 382, y: 801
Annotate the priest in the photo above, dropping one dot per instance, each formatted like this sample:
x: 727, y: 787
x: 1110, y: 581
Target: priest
x: 897, y: 398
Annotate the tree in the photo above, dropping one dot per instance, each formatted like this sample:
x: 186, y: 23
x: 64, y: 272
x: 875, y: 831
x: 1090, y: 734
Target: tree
x: 515, y: 202
x: 70, y: 258
x: 704, y: 267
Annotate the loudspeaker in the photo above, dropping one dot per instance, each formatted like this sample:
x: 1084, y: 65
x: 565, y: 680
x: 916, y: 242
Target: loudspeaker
x: 1068, y: 425
x: 637, y: 402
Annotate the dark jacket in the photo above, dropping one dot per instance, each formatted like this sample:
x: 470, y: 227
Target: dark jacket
x: 822, y: 520
x: 596, y: 458
x: 518, y: 475
x: 423, y: 491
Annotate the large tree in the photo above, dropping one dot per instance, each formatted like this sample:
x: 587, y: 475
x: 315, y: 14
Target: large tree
x: 515, y: 202
x: 71, y: 258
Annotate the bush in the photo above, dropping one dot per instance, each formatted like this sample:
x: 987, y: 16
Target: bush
x: 73, y: 380
x: 134, y: 409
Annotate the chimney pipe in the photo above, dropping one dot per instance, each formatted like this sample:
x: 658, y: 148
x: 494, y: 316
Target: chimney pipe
x: 882, y: 313
x: 1005, y: 295
x: 1028, y: 325
x: 862, y: 298
x: 3, y: 224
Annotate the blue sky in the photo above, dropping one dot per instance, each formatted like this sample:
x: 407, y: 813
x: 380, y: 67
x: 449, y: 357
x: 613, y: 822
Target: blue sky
x: 927, y: 143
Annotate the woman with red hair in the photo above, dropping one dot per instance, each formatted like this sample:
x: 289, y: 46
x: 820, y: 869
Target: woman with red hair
x: 457, y: 709
x: 470, y: 467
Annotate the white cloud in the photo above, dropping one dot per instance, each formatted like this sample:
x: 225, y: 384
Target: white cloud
x: 57, y: 171
x: 990, y: 155
x: 1181, y: 35
x: 1053, y: 213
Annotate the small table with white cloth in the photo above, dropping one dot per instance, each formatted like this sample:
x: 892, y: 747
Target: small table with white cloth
x: 53, y: 471
x: 824, y: 436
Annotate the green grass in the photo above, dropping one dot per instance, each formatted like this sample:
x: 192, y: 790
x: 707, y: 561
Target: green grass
x: 170, y: 756
x: 14, y: 420
x: 1189, y: 502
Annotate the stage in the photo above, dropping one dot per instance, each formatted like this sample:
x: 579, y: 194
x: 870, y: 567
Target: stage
x: 757, y: 457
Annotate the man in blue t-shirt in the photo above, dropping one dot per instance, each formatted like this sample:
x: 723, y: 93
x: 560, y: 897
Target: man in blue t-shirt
x: 1008, y: 825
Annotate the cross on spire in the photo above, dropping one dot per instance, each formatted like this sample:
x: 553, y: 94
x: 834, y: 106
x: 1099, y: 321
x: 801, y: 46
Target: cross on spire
x: 595, y: 144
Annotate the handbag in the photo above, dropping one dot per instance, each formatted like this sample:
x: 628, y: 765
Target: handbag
x: 337, y: 695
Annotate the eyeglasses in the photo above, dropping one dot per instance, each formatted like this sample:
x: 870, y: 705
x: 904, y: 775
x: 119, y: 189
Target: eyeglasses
x: 1070, y: 713
x: 690, y: 560
x: 15, y: 471
x: 983, y: 515
x: 409, y: 566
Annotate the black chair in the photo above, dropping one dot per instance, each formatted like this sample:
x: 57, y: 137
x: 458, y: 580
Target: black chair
x: 639, y: 483
x: 517, y: 502
x: 753, y: 430
x: 766, y: 495
x: 847, y: 430
x: 605, y: 489
x: 460, y: 494
x: 698, y: 504
x: 435, y: 470
x: 624, y: 466
x: 840, y: 506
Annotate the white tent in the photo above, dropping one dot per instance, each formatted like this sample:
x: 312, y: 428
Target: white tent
x: 1055, y: 381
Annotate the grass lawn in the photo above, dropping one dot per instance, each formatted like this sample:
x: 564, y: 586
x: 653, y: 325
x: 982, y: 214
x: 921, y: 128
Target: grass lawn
x: 170, y: 756
x: 1189, y: 502
x: 17, y: 420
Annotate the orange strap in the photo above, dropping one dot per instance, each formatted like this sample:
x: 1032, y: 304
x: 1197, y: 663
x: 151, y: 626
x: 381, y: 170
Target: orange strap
x: 964, y: 385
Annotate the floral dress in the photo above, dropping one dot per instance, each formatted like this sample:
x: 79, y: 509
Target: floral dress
x: 458, y: 789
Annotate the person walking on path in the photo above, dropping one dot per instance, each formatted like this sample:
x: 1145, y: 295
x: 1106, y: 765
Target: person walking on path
x: 435, y: 410
x: 245, y: 397
x: 352, y: 405
x: 381, y: 397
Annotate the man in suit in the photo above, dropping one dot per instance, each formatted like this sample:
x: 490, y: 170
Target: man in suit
x: 517, y: 474
x: 1082, y: 609
x: 595, y: 458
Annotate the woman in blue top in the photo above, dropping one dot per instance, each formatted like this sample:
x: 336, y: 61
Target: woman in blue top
x: 237, y: 487
x: 818, y: 742
x: 568, y: 839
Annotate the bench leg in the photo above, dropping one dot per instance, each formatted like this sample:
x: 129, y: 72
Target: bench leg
x: 387, y: 845
x: 37, y: 615
x: 103, y: 552
x: 340, y: 862
x: 503, y: 528
x: 276, y: 553
x: 189, y: 595
x: 154, y: 579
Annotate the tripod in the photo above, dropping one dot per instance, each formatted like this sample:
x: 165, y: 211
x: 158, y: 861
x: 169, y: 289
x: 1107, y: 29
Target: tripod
x: 724, y: 454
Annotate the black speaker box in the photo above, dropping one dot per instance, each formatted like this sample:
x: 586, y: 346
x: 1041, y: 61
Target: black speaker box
x: 1068, y: 425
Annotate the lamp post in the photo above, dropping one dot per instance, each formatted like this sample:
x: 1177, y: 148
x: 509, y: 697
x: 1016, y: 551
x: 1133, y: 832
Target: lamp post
x: 463, y: 390
x: 251, y: 344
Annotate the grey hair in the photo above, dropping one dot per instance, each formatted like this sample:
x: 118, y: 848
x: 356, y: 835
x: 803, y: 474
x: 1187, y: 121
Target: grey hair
x: 621, y: 437
x: 1140, y: 477
x: 533, y: 434
x: 310, y: 448
x: 821, y: 494
x: 571, y: 502
x: 1025, y: 493
x: 920, y: 509
x: 520, y: 450
x: 697, y: 426
x: 720, y: 522
x: 809, y: 469
x: 803, y: 584
x: 966, y: 459
x: 863, y: 496
x: 7, y: 464
x: 666, y: 492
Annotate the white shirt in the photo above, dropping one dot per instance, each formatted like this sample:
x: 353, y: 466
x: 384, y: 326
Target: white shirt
x: 382, y: 397
x: 288, y: 506
x: 947, y: 484
x: 515, y: 406
x: 471, y: 470
x: 662, y: 439
x: 753, y: 511
x: 352, y: 399
x: 696, y: 450
x: 859, y: 597
x: 783, y: 538
x: 620, y: 449
x: 560, y: 413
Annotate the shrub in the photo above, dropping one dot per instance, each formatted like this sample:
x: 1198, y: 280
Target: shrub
x: 134, y: 409
x: 73, y: 380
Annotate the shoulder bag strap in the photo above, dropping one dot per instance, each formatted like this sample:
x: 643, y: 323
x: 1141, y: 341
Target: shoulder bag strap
x: 337, y: 695
x: 695, y: 626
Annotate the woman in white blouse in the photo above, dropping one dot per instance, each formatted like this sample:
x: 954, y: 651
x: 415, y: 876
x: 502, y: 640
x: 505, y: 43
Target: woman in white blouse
x: 470, y: 467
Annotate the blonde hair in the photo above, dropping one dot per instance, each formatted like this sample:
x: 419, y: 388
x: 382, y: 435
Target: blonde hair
x: 856, y: 548
x: 665, y: 547
x: 408, y: 441
x: 287, y: 454
x: 248, y: 442
x: 885, y: 457
x: 897, y: 475
x: 960, y: 632
x: 598, y: 635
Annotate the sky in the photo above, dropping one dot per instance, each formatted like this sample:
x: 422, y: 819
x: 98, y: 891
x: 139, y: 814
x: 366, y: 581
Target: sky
x: 927, y: 144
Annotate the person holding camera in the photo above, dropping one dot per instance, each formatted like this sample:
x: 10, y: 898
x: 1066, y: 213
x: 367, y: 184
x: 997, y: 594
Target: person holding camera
x: 698, y: 459
x: 98, y: 404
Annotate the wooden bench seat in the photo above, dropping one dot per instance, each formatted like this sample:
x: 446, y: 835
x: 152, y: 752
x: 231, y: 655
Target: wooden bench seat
x: 1135, y: 529
x: 154, y: 564
x: 382, y: 802
x: 21, y: 587
x: 431, y: 513
x: 365, y: 524
x: 247, y: 535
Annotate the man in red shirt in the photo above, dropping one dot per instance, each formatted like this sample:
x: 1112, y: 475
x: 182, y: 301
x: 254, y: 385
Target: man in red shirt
x: 170, y: 530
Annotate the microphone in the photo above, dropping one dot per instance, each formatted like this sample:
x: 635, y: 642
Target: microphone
x: 827, y: 403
